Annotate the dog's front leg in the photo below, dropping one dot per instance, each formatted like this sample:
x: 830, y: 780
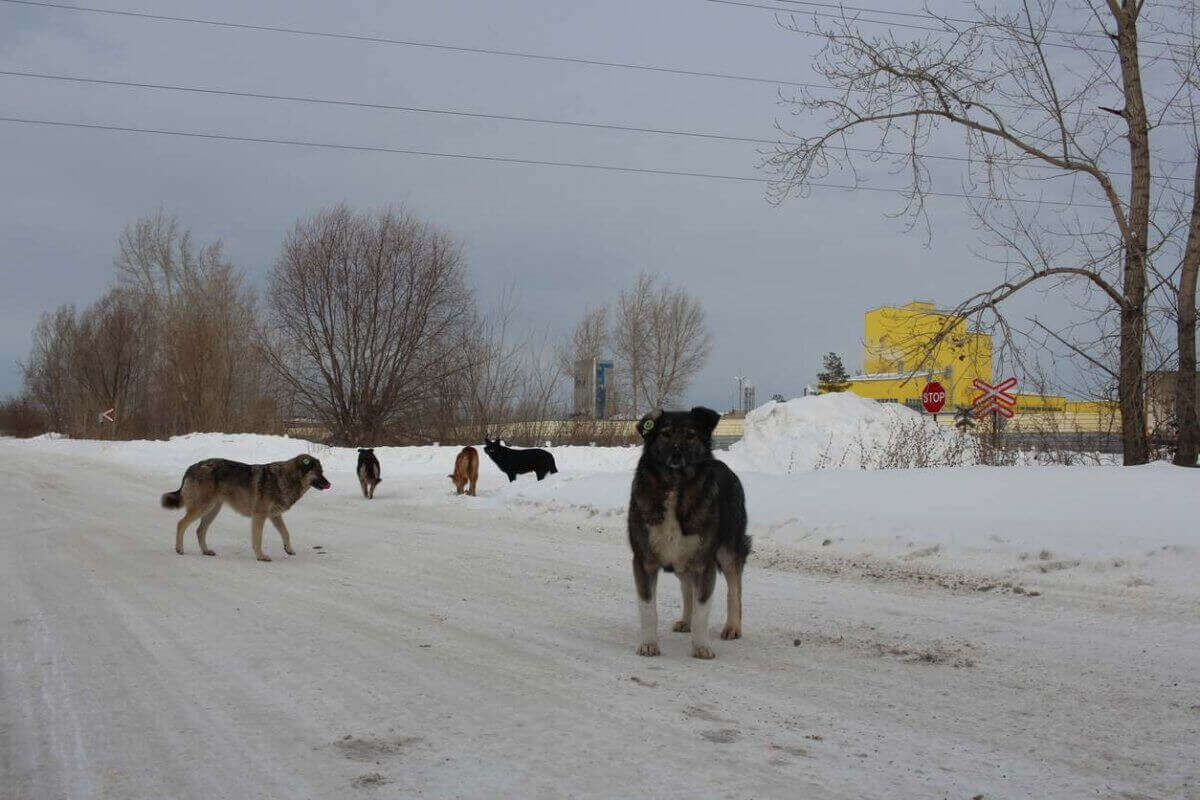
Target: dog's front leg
x: 685, y: 623
x: 646, y: 581
x: 702, y: 589
x: 277, y: 521
x: 256, y: 529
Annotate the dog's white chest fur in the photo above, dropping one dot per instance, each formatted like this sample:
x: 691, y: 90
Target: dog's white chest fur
x: 667, y: 542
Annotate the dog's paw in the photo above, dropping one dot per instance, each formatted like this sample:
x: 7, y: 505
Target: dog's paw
x: 682, y: 626
x: 209, y: 552
x: 179, y: 550
x: 731, y: 632
x: 289, y: 551
x: 264, y: 558
x: 702, y: 651
x: 648, y: 649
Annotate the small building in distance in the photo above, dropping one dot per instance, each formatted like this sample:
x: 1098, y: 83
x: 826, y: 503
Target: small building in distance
x: 594, y: 397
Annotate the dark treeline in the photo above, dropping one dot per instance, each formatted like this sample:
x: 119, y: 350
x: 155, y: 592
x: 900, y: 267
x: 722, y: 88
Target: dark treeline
x: 367, y: 332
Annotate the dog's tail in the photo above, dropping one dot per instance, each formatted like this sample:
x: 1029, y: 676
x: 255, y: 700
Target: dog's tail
x: 173, y: 499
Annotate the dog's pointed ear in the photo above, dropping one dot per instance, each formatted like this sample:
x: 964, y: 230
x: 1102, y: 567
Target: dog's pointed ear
x: 647, y: 423
x: 706, y: 418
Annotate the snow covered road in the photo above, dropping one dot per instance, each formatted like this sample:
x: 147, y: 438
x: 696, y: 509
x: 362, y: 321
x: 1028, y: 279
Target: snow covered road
x: 485, y: 647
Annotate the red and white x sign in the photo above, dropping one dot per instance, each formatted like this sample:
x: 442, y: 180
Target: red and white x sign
x: 994, y: 398
x: 998, y: 392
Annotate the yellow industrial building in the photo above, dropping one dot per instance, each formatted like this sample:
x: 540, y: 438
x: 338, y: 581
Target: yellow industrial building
x: 898, y: 360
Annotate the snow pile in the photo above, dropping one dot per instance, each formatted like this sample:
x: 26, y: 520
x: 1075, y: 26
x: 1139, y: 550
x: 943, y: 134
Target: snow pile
x: 844, y: 430
x: 414, y: 461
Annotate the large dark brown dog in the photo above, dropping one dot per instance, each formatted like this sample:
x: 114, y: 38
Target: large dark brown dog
x: 259, y: 491
x: 687, y: 515
x: 466, y: 469
x: 368, y: 471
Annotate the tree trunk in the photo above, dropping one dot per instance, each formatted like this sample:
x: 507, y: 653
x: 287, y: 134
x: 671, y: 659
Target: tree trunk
x: 1188, y: 444
x: 1133, y: 312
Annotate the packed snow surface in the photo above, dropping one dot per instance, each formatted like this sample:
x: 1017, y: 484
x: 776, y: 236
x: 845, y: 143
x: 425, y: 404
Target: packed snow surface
x: 957, y: 632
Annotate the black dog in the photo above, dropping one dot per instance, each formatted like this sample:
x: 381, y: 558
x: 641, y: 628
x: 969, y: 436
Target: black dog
x: 517, y: 462
x: 687, y: 515
x: 368, y: 471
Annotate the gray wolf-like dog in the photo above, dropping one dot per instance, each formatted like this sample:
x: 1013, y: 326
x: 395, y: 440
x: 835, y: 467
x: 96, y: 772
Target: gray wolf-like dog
x: 687, y: 515
x: 259, y: 491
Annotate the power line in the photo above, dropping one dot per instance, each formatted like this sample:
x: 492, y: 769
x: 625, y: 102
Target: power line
x: 960, y: 20
x: 466, y: 49
x: 405, y: 43
x: 913, y: 26
x: 608, y: 126
x: 306, y: 143
x: 612, y: 126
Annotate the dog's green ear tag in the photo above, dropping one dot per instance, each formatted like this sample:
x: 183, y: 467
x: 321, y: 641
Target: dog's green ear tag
x: 306, y: 461
x: 647, y: 426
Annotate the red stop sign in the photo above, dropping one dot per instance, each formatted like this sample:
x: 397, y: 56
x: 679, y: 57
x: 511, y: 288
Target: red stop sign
x: 933, y: 397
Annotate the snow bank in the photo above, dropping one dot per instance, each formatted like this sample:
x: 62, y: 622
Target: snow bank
x: 433, y: 460
x: 825, y: 431
x: 842, y: 430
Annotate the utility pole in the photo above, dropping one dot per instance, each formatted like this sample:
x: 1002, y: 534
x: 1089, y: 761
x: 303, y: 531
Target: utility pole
x: 741, y: 382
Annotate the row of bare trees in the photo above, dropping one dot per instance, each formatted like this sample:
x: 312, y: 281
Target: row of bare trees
x: 1048, y: 94
x: 658, y: 336
x: 171, y: 347
x: 369, y: 333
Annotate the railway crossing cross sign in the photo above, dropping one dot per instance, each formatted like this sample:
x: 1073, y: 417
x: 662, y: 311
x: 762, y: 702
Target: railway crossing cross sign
x: 995, y: 399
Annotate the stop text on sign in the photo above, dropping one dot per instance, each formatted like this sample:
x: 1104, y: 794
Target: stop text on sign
x: 933, y: 397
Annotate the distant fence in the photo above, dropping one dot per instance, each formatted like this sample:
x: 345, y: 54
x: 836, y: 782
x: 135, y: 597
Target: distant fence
x: 557, y: 432
x: 1077, y: 442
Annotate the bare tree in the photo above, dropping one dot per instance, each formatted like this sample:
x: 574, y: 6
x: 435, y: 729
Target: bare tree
x: 1188, y: 436
x: 588, y: 340
x: 208, y: 369
x: 1187, y: 112
x: 83, y: 364
x: 1024, y: 118
x: 368, y: 317
x: 661, y: 338
x: 109, y: 355
x: 47, y: 371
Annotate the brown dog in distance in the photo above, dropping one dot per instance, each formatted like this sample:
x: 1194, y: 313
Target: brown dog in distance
x: 466, y: 469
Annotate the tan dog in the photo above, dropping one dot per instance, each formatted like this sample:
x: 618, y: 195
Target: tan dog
x: 466, y: 468
x: 259, y: 491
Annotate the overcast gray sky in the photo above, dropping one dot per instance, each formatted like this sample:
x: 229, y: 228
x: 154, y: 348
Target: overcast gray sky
x: 781, y: 285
